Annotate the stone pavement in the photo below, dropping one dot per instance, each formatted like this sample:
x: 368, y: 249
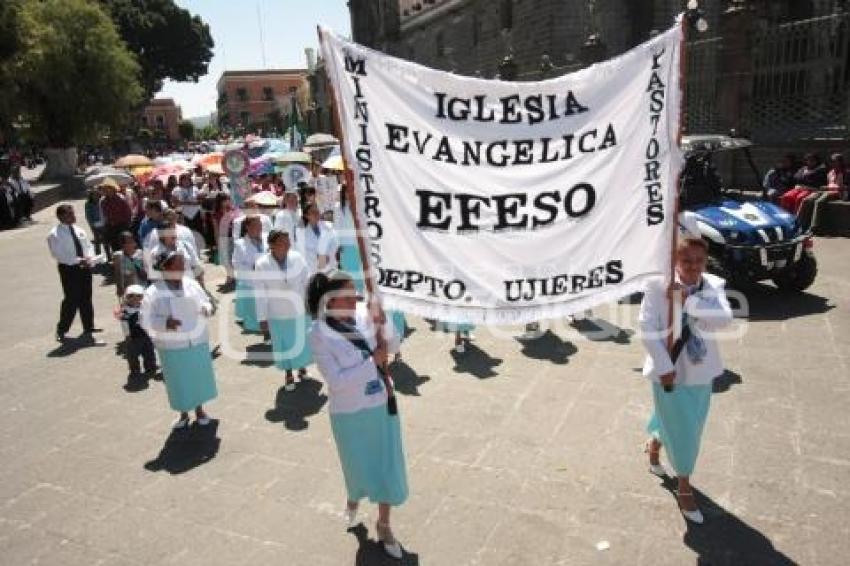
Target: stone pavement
x: 519, y: 453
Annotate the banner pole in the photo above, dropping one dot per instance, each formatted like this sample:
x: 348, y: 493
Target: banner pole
x: 353, y: 203
x: 674, y: 239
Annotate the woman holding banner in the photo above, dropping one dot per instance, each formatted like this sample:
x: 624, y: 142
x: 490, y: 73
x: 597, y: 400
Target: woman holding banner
x: 281, y: 284
x: 682, y: 379
x: 365, y: 424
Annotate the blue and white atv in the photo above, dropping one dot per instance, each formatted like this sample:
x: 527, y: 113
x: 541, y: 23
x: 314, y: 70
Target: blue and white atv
x: 750, y: 239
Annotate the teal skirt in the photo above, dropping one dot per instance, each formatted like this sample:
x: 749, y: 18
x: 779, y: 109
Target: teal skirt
x: 678, y: 422
x: 290, y: 342
x: 246, y: 307
x: 349, y: 261
x: 454, y: 327
x: 399, y: 324
x: 188, y: 375
x: 371, y: 454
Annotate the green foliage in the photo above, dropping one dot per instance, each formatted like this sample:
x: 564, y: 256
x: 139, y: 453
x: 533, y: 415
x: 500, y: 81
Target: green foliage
x: 186, y: 130
x: 209, y: 132
x: 168, y: 41
x: 10, y: 39
x: 76, y: 77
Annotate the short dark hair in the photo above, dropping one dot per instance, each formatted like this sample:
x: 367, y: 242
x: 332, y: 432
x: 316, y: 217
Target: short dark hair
x: 63, y: 209
x: 276, y: 235
x: 126, y: 235
x: 154, y: 204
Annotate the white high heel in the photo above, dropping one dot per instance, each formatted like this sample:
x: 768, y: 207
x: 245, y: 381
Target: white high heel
x: 388, y: 541
x: 694, y: 516
x: 656, y: 469
x: 350, y: 515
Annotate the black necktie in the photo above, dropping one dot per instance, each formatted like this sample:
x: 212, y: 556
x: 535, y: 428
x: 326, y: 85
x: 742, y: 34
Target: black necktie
x: 78, y: 247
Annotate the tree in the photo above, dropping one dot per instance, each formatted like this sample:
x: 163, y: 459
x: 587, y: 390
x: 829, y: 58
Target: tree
x: 209, y: 132
x: 186, y: 130
x: 10, y: 44
x: 76, y: 77
x: 168, y: 41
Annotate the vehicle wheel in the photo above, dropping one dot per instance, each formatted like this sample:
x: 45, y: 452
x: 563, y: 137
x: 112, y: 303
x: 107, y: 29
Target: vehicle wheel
x: 716, y: 266
x: 799, y: 277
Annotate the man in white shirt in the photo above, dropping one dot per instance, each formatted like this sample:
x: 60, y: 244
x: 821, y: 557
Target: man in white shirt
x: 72, y: 249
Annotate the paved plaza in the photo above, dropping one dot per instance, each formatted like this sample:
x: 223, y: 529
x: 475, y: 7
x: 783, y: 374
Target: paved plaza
x: 519, y: 453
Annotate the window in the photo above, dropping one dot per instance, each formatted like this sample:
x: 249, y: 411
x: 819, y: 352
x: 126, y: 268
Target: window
x: 507, y: 14
x: 268, y: 93
x: 160, y: 122
x: 242, y: 94
x: 245, y: 118
x: 145, y: 121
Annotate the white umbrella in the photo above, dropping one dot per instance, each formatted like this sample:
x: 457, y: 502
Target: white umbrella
x: 320, y: 140
x: 120, y: 177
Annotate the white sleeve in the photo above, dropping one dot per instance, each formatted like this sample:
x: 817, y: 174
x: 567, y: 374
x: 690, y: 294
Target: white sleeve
x: 709, y: 309
x: 342, y: 382
x: 261, y: 291
x: 53, y: 245
x: 652, y: 330
x: 240, y: 259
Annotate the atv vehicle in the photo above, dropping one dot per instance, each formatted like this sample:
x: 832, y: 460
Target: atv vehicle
x: 749, y: 238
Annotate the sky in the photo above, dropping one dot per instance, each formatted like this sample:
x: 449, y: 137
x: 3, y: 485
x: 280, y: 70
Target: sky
x: 288, y: 26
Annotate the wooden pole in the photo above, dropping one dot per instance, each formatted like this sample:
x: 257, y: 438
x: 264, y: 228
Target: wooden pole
x: 683, y: 69
x: 373, y: 299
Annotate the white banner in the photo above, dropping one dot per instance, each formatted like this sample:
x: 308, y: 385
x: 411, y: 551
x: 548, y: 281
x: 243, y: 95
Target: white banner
x: 506, y: 202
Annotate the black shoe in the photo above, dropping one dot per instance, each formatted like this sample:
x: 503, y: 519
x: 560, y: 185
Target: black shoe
x: 92, y: 330
x: 60, y: 337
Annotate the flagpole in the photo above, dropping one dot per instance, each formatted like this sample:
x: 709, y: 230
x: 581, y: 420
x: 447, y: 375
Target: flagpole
x: 353, y: 203
x: 674, y: 239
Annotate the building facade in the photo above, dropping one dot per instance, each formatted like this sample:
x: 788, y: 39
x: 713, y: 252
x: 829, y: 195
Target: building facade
x: 258, y: 100
x: 162, y: 117
x: 774, y: 70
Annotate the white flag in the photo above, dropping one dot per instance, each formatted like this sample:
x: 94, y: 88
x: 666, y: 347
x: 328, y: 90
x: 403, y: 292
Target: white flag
x: 503, y: 202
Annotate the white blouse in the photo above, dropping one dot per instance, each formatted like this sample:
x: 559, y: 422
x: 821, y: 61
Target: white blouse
x: 245, y: 255
x: 190, y: 305
x: 325, y: 243
x: 709, y: 311
x: 280, y: 290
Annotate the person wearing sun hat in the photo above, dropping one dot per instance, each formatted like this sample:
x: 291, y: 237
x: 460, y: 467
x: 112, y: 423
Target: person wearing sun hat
x: 174, y: 312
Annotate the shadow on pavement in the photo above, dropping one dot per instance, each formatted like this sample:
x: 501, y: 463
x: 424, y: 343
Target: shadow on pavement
x: 187, y: 449
x: 293, y: 407
x: 405, y: 378
x: 725, y: 381
x: 598, y: 330
x: 724, y: 539
x: 769, y: 304
x: 72, y: 345
x: 549, y: 347
x: 259, y: 355
x: 475, y: 361
x: 370, y: 552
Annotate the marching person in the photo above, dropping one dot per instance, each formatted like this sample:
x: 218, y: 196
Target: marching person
x: 174, y: 313
x: 117, y: 215
x: 281, y: 285
x: 128, y: 265
x: 349, y: 254
x: 319, y: 241
x: 246, y: 252
x: 364, y: 421
x: 137, y: 344
x: 288, y: 219
x: 94, y: 218
x: 72, y: 249
x: 169, y: 241
x: 681, y: 380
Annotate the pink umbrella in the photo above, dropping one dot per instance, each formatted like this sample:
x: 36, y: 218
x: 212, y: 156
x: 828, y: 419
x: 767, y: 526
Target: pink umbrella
x: 164, y: 171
